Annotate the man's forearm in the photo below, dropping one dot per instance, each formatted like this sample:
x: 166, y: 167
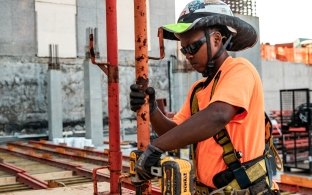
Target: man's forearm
x: 160, y: 123
x: 199, y: 127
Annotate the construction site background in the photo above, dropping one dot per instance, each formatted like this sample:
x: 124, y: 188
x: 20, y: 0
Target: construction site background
x: 24, y: 66
x: 287, y: 52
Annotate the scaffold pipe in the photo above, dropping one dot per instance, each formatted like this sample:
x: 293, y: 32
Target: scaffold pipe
x: 113, y: 96
x: 141, y: 70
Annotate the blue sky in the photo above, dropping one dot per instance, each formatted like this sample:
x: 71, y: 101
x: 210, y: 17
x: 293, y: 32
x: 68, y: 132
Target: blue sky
x: 280, y: 21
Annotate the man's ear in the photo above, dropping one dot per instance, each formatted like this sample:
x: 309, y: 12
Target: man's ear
x: 217, y: 38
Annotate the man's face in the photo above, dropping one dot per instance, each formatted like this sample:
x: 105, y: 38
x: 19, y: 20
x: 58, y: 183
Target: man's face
x: 194, y: 47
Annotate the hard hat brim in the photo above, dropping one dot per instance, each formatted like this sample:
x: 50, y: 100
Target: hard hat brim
x: 244, y: 35
x: 178, y: 28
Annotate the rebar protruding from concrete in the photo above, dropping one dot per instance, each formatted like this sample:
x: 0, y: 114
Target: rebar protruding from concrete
x: 54, y: 62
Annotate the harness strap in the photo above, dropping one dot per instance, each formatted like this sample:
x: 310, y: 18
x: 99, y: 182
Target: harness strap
x: 195, y: 108
x: 200, y: 86
x: 254, y: 173
x: 279, y: 162
x: 269, y: 146
x: 194, y: 102
x: 231, y: 158
x: 230, y: 155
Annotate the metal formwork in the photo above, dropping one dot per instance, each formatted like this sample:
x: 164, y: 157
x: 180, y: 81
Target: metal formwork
x: 296, y: 124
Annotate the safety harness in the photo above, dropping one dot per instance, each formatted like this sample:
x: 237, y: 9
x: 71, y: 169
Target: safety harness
x: 252, y: 174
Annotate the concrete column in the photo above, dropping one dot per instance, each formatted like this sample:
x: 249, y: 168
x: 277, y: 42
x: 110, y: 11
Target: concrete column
x: 55, y: 109
x: 252, y: 54
x: 93, y: 103
x: 180, y: 86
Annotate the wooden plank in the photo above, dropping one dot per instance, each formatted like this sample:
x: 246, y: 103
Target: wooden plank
x: 298, y: 180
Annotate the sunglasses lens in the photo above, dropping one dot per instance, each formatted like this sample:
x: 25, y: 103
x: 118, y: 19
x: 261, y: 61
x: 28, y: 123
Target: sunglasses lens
x: 193, y: 48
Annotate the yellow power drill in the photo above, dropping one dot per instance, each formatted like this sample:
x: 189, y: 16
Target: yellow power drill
x: 177, y: 175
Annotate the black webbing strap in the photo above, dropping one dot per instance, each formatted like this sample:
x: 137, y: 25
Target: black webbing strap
x: 210, y: 63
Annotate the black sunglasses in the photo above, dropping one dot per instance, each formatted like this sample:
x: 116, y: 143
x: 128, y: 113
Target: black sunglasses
x: 193, y: 48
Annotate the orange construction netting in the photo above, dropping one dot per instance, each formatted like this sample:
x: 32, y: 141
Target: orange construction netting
x: 286, y: 54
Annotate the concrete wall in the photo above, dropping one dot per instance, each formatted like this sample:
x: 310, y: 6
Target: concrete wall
x: 181, y: 83
x: 17, y: 21
x: 23, y: 76
x: 277, y: 75
x: 252, y: 54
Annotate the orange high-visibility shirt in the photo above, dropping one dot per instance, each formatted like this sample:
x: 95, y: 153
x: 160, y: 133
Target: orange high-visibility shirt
x: 239, y: 85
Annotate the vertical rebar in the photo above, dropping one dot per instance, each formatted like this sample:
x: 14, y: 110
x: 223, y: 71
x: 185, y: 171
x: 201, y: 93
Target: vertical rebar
x: 54, y: 62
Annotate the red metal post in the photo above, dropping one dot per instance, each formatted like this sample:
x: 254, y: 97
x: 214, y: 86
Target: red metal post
x: 113, y: 96
x: 141, y: 67
x: 95, y: 180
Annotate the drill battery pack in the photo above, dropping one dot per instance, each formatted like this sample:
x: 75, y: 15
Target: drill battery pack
x: 177, y: 176
x: 134, y: 156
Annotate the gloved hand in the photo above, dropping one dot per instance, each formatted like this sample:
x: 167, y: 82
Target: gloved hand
x: 137, y: 98
x: 150, y: 157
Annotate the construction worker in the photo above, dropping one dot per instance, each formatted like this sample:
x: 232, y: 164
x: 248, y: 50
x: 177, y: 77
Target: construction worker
x: 223, y: 114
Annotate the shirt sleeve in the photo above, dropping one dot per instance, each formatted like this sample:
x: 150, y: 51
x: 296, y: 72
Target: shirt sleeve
x: 235, y: 87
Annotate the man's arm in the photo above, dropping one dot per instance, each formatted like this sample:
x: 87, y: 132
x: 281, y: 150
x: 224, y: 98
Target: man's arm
x: 160, y: 123
x: 200, y: 126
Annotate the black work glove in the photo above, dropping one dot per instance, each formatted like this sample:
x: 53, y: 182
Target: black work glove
x: 150, y: 157
x: 137, y: 98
